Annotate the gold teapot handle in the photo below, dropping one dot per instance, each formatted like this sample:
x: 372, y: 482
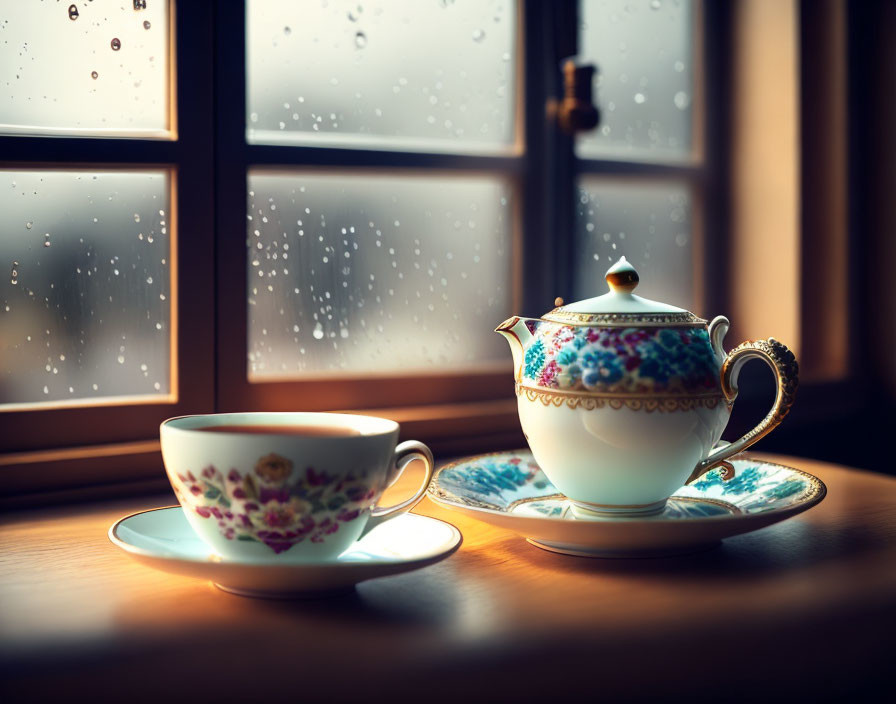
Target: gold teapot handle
x: 786, y: 371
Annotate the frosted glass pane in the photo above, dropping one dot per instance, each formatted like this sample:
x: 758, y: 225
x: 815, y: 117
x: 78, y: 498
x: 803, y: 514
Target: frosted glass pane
x: 376, y: 272
x: 644, y: 53
x: 435, y: 76
x: 85, y: 300
x: 649, y: 223
x: 84, y: 68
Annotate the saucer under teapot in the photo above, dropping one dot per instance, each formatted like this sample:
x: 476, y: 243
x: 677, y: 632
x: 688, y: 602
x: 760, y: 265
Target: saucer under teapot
x: 623, y: 399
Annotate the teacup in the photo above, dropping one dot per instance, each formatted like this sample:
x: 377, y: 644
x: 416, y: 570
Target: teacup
x: 286, y: 487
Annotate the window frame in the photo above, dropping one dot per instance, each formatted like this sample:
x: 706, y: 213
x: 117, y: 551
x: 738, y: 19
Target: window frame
x: 47, y: 447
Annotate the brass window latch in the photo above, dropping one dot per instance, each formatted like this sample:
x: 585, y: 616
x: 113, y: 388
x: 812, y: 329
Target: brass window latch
x: 576, y: 112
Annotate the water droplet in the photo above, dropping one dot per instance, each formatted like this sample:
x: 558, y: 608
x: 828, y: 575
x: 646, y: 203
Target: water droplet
x: 94, y: 75
x: 29, y: 225
x: 318, y: 332
x: 139, y: 4
x: 640, y: 98
x: 681, y: 239
x: 146, y: 24
x: 287, y: 31
x: 679, y: 66
x: 478, y: 35
x: 14, y: 274
x: 655, y: 4
x: 121, y: 359
x: 47, y: 240
x: 360, y: 40
x: 681, y: 100
x: 115, y: 44
x: 73, y: 13
x: 136, y: 217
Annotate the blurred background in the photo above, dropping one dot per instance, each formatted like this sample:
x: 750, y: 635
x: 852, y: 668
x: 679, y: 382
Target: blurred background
x: 331, y: 205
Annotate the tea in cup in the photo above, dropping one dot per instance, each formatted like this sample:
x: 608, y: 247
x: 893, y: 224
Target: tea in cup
x: 286, y: 487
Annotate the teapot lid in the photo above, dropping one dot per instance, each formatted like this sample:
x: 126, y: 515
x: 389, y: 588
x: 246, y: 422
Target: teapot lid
x: 620, y: 304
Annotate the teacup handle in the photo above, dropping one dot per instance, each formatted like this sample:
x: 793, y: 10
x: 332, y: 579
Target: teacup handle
x: 786, y: 370
x: 404, y: 454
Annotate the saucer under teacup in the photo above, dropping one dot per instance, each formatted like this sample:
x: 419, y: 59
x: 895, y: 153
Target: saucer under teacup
x: 509, y: 490
x: 162, y: 538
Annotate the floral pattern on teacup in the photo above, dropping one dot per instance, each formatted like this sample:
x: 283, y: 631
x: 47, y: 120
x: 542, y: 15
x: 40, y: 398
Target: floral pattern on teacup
x: 274, y: 505
x: 621, y: 360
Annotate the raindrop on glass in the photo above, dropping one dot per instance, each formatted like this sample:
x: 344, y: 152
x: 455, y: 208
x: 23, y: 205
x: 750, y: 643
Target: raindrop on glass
x: 73, y: 12
x: 94, y: 75
x: 115, y: 44
x: 681, y: 100
x: 478, y: 35
x: 14, y: 274
x: 29, y: 225
x: 47, y: 240
x: 287, y: 31
x: 640, y: 98
x: 146, y: 24
x: 655, y: 4
x: 136, y: 217
x: 139, y: 4
x: 360, y: 40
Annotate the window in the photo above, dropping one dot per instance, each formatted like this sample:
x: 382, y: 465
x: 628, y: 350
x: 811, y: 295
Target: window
x: 340, y: 224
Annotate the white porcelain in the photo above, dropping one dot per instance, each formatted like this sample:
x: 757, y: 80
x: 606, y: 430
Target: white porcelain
x: 623, y: 399
x: 163, y: 538
x: 509, y: 490
x: 280, y: 497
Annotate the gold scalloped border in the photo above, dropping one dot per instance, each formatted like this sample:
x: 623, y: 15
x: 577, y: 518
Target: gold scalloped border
x: 590, y: 402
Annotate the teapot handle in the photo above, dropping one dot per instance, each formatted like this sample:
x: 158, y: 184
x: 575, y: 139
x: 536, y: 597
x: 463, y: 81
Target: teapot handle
x: 786, y: 371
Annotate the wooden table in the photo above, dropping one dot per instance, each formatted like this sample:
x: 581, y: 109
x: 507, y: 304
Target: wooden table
x: 804, y: 608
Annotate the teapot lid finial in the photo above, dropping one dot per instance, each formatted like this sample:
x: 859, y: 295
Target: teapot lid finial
x: 620, y: 301
x: 622, y: 277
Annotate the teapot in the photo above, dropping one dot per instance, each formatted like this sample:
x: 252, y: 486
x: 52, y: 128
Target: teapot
x: 623, y: 399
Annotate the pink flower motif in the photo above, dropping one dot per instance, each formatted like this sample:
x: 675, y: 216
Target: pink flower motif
x: 239, y: 494
x: 203, y: 511
x: 549, y: 374
x: 208, y: 472
x: 314, y: 478
x: 592, y: 335
x: 195, y: 490
x: 233, y: 476
x: 346, y: 516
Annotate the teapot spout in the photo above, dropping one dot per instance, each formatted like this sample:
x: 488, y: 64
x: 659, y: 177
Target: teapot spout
x: 517, y: 334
